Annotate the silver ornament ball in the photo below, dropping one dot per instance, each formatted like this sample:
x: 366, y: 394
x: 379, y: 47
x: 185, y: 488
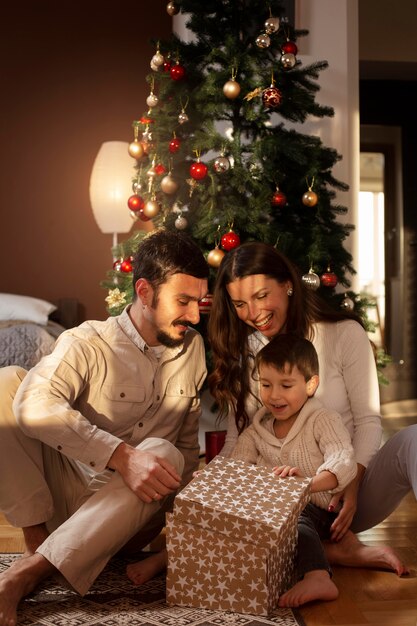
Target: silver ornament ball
x: 347, y: 303
x: 221, y: 164
x: 183, y: 117
x: 311, y: 280
x: 181, y: 223
x: 263, y: 41
x: 272, y: 25
x: 288, y: 61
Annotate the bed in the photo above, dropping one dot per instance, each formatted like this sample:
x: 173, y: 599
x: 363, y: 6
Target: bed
x: 29, y: 327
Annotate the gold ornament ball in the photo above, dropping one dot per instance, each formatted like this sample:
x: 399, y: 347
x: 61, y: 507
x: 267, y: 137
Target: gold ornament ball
x: 310, y: 198
x: 169, y: 185
x: 151, y: 208
x: 172, y: 8
x: 135, y: 149
x: 272, y: 25
x: 181, y: 223
x: 231, y: 89
x: 214, y: 257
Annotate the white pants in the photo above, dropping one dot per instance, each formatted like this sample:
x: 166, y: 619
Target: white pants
x: 89, y: 518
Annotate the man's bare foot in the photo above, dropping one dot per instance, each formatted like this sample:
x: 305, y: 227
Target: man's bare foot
x: 16, y: 582
x: 142, y: 571
x: 34, y: 536
x: 316, y: 585
x: 351, y: 552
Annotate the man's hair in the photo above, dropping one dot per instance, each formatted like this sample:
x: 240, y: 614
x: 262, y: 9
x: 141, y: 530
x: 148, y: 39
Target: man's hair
x: 163, y: 253
x: 292, y: 350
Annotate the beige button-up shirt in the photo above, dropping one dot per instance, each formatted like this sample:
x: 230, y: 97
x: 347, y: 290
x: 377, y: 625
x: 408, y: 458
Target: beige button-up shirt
x: 103, y: 385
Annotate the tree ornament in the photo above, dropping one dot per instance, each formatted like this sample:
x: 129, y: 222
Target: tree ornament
x: 231, y: 89
x: 288, y: 61
x: 115, y: 298
x: 167, y: 66
x: 230, y: 240
x: 126, y: 266
x: 310, y: 197
x: 169, y: 185
x: 141, y: 215
x: 271, y: 25
x: 117, y: 265
x: 221, y: 164
x: 347, y: 303
x: 177, y: 71
x: 183, y: 117
x: 263, y: 41
x: 214, y: 257
x: 152, y: 100
x: 289, y: 47
x: 329, y: 278
x: 279, y: 198
x: 136, y: 186
x: 272, y: 96
x: 160, y: 169
x: 151, y: 208
x: 198, y: 170
x: 135, y: 149
x: 205, y: 304
x: 135, y: 202
x: 174, y: 145
x: 172, y: 8
x: 181, y: 223
x: 157, y: 59
x: 311, y: 280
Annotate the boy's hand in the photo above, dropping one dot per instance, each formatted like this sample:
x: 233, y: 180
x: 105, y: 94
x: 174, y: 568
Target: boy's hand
x: 286, y: 470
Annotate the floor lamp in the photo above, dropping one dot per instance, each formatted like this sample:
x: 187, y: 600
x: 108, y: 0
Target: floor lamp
x: 110, y: 188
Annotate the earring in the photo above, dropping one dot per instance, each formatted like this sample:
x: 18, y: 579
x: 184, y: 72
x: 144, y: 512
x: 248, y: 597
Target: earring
x: 290, y: 291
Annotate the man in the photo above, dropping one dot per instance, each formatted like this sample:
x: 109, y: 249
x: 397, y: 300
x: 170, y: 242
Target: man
x: 101, y: 430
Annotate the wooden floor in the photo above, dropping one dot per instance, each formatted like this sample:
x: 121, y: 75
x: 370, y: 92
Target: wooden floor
x: 366, y: 596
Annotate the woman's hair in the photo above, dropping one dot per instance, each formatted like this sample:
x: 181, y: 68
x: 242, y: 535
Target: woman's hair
x: 290, y: 350
x: 228, y: 335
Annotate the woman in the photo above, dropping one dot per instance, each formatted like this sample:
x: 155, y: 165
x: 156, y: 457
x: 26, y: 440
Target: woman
x: 258, y: 294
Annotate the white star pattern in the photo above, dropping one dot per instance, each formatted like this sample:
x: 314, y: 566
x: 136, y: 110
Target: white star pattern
x: 231, y: 538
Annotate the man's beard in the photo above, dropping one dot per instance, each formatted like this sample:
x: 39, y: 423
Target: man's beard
x: 167, y: 340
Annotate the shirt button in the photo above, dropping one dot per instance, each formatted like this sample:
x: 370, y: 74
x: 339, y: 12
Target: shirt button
x: 92, y: 463
x: 59, y: 447
x: 122, y: 395
x: 140, y: 424
x: 158, y: 396
x: 181, y: 391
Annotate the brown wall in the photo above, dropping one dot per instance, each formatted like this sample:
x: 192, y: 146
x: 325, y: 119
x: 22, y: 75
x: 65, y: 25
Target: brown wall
x: 72, y: 76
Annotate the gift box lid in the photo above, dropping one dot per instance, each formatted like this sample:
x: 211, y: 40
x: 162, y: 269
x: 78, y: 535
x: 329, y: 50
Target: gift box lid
x: 242, y: 501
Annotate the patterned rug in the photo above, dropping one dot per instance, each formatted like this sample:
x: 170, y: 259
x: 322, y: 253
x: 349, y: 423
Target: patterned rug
x: 114, y: 601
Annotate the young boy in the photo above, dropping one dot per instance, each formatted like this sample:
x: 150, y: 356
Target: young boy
x: 296, y: 436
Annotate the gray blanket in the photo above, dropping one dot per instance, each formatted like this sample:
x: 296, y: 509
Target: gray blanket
x: 25, y: 343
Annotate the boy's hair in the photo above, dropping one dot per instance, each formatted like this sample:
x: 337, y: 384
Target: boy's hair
x: 289, y: 349
x: 163, y: 253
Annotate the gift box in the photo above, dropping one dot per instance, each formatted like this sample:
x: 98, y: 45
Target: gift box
x: 232, y: 537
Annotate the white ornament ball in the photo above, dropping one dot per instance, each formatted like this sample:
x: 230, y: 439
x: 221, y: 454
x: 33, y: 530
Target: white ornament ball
x: 152, y: 100
x: 181, y: 223
x: 158, y: 59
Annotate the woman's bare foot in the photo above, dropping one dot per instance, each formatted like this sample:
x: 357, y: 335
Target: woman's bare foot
x: 16, y: 582
x: 34, y: 536
x: 316, y: 585
x: 142, y: 571
x: 351, y: 552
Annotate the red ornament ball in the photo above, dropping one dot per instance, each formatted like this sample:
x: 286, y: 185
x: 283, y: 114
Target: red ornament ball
x: 174, y: 145
x: 198, y: 170
x: 159, y: 169
x: 167, y: 66
x: 271, y: 97
x: 289, y: 47
x: 328, y: 279
x: 205, y: 304
x: 230, y: 240
x: 279, y: 199
x: 126, y: 266
x: 177, y: 72
x: 142, y: 216
x: 135, y: 203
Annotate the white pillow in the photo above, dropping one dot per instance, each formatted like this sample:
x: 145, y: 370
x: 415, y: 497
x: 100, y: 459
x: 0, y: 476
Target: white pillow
x: 13, y: 307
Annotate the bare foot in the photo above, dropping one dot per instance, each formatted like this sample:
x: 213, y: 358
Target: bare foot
x: 16, y: 582
x: 351, y: 552
x: 34, y: 536
x: 142, y: 571
x: 316, y: 585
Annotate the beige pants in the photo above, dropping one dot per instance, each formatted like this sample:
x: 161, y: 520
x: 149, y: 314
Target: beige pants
x: 90, y: 518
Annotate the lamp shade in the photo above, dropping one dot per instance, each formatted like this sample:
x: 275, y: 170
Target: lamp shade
x: 111, y: 186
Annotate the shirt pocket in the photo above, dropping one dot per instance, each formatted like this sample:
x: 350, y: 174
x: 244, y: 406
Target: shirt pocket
x: 179, y: 389
x: 120, y: 401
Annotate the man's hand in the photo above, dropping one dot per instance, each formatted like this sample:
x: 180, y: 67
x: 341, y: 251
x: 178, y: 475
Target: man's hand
x: 286, y: 470
x: 150, y: 477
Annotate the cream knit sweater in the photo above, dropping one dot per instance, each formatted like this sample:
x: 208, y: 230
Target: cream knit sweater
x: 317, y: 441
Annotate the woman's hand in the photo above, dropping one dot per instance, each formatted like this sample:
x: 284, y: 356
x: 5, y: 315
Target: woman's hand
x: 286, y: 470
x: 348, y: 499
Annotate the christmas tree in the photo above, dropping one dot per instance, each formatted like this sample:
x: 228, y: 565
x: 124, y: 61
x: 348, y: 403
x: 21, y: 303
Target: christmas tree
x: 217, y: 154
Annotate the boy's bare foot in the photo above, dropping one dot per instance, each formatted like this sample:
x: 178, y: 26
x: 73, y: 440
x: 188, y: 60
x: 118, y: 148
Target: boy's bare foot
x: 142, y: 571
x: 351, y: 552
x: 316, y: 585
x: 16, y: 582
x: 34, y: 536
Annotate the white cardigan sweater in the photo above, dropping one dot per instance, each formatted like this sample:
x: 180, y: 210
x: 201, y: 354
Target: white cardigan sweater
x: 317, y: 441
x: 348, y: 384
